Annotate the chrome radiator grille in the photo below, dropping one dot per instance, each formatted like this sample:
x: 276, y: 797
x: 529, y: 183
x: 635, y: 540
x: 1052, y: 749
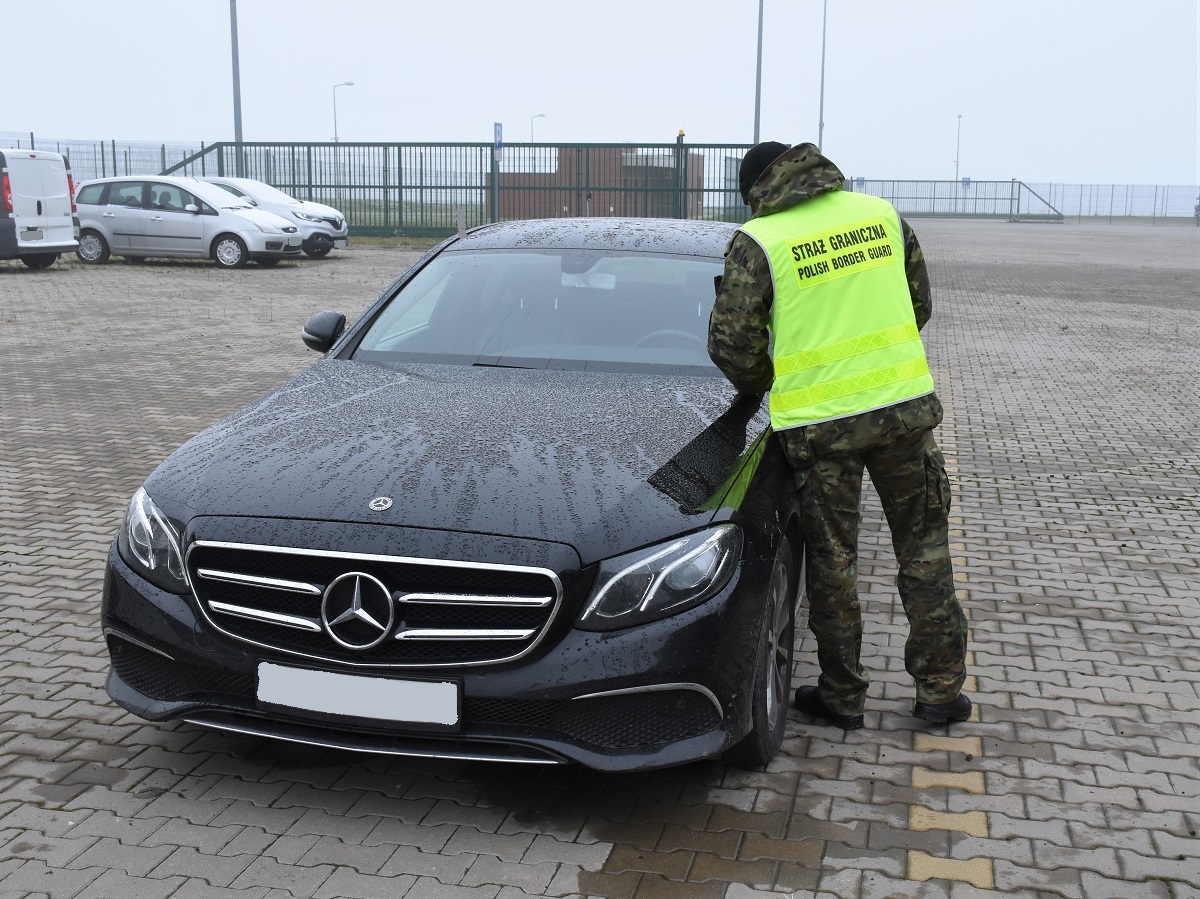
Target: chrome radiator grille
x: 372, y: 610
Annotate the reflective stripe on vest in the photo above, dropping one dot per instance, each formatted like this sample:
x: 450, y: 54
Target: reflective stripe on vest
x: 845, y: 337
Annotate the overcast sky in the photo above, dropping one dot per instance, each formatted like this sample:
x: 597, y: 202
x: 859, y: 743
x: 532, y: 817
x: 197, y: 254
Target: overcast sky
x: 1075, y: 91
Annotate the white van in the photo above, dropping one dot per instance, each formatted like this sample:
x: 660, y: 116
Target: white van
x: 38, y: 220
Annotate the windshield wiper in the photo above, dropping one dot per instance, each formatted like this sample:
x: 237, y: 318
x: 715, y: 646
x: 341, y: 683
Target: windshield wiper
x: 500, y: 365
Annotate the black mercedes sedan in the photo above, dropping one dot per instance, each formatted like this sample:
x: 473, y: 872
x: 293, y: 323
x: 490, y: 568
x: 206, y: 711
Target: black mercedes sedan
x: 514, y: 513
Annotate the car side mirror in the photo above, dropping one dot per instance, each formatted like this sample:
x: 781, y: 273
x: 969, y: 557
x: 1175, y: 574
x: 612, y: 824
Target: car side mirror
x: 322, y: 329
x: 192, y: 208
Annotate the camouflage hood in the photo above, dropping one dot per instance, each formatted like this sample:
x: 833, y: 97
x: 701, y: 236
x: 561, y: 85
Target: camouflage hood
x: 799, y: 174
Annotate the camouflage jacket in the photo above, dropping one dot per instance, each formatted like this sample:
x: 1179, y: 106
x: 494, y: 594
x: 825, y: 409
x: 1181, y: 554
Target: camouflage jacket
x: 738, y: 332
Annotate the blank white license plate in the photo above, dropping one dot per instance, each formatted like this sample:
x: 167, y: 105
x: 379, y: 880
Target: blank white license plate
x: 32, y: 234
x: 341, y: 243
x: 402, y: 701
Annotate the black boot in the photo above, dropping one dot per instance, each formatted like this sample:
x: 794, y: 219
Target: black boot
x: 808, y: 700
x: 957, y: 709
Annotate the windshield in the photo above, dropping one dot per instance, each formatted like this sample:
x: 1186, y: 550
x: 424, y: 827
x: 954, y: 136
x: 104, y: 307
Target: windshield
x: 265, y: 193
x: 217, y: 196
x: 563, y: 309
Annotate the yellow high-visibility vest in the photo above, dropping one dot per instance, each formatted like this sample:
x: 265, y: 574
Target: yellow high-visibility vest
x: 844, y: 332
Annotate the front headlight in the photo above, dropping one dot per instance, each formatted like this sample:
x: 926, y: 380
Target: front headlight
x: 661, y: 580
x: 307, y: 216
x: 267, y: 229
x: 149, y: 543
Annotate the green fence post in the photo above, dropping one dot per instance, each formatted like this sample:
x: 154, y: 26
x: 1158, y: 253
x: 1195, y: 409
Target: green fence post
x: 679, y: 175
x: 495, y: 187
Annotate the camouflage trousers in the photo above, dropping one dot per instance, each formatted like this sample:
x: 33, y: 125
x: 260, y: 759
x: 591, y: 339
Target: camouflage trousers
x: 909, y: 474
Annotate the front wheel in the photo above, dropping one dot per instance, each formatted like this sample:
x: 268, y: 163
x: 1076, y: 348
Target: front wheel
x: 93, y: 248
x: 773, y: 674
x: 318, y: 252
x: 40, y: 260
x: 230, y: 252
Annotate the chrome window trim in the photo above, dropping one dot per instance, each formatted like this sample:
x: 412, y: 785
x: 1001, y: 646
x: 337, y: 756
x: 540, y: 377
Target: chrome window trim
x: 295, y: 621
x: 121, y: 635
x: 659, y: 688
x: 372, y: 557
x: 234, y: 577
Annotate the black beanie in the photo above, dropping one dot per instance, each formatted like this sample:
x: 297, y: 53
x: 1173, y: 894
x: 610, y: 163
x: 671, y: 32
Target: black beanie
x: 755, y: 162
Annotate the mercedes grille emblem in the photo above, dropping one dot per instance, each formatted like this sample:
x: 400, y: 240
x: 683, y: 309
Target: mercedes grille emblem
x: 380, y: 504
x: 357, y: 610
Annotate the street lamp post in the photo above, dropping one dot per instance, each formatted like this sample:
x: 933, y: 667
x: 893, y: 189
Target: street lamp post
x: 540, y: 115
x: 237, y: 87
x: 335, y: 87
x: 758, y: 74
x: 957, y: 148
x: 821, y: 112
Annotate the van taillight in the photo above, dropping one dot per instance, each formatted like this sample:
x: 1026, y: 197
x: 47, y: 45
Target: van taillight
x: 71, y: 190
x: 7, y: 188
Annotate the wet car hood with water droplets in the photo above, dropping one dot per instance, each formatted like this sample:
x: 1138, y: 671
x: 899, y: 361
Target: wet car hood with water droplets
x: 605, y: 462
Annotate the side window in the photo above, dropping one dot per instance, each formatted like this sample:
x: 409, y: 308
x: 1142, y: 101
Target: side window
x: 127, y: 193
x: 90, y: 195
x: 169, y: 197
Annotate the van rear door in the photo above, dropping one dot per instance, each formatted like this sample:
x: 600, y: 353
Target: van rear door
x: 41, y: 201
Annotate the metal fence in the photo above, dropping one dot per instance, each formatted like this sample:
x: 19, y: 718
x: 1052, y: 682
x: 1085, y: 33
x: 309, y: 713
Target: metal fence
x: 99, y: 158
x: 1123, y: 202
x: 1009, y: 200
x: 411, y: 188
x: 423, y: 188
x: 1017, y: 201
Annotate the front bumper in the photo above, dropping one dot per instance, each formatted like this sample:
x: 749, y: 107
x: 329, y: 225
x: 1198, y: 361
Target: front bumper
x: 273, y: 246
x: 661, y: 694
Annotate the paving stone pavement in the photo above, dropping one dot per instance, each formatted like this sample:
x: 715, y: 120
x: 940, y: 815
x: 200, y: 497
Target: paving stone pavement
x: 1067, y: 359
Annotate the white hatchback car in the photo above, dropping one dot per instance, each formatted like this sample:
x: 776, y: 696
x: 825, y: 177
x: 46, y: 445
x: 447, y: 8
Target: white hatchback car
x: 322, y: 227
x: 136, y: 217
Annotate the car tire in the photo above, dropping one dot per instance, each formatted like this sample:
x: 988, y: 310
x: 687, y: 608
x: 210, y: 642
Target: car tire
x: 229, y: 251
x: 771, y: 697
x: 40, y: 260
x: 93, y: 248
x: 269, y: 261
x: 318, y: 252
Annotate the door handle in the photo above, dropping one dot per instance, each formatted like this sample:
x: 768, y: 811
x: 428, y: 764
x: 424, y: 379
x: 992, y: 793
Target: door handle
x: 109, y: 215
x: 156, y: 218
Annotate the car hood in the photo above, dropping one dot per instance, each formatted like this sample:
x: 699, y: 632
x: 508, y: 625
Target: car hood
x: 604, y: 462
x: 319, y: 209
x: 259, y: 216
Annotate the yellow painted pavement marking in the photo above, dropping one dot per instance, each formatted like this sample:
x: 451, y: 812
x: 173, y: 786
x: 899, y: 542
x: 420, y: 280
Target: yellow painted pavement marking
x: 975, y: 871
x: 979, y: 872
x: 969, y: 781
x: 974, y: 823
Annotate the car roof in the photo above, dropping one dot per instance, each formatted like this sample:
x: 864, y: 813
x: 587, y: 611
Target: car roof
x: 684, y: 237
x: 213, y: 178
x: 205, y: 191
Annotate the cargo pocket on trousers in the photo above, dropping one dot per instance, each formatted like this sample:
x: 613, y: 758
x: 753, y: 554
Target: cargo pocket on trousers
x: 937, y: 489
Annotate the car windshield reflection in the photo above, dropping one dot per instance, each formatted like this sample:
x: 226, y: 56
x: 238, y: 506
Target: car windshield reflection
x: 564, y: 310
